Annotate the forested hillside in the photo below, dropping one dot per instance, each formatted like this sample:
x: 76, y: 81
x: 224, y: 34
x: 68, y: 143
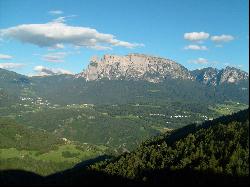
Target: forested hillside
x: 216, y: 152
x: 220, y: 147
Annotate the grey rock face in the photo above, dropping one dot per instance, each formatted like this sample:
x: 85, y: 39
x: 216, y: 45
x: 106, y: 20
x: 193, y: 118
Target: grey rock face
x: 134, y: 67
x: 155, y: 69
x: 232, y: 75
x: 208, y: 76
x: 212, y: 76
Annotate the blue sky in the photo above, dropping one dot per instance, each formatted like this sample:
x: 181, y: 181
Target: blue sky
x: 62, y: 35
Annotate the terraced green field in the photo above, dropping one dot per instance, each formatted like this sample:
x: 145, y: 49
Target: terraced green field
x: 69, y: 153
x: 64, y: 153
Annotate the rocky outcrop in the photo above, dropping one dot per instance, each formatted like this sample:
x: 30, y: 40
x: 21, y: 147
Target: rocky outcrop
x: 213, y: 76
x: 232, y: 75
x: 134, y: 67
x: 208, y: 76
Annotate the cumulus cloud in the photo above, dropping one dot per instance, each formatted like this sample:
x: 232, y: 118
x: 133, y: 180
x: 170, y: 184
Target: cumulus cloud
x: 196, y: 47
x: 45, y: 71
x: 55, y: 57
x: 199, y: 61
x: 222, y: 38
x: 55, y: 12
x: 196, y: 36
x: 5, y: 57
x: 10, y: 65
x: 56, y: 34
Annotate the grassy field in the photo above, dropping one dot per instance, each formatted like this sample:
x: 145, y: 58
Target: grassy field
x: 58, y: 155
x: 228, y: 108
x: 64, y: 157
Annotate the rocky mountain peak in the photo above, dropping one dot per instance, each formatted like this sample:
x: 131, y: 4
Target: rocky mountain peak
x: 213, y: 76
x: 208, y: 76
x: 134, y: 67
x: 231, y: 75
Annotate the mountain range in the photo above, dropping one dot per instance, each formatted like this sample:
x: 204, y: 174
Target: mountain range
x: 155, y: 69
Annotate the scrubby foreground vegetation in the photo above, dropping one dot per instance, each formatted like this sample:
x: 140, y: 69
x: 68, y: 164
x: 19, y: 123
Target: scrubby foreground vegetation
x: 216, y: 152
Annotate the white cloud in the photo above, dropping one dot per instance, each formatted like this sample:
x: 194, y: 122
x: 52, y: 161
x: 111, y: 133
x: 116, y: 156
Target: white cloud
x: 222, y: 38
x: 55, y: 12
x: 196, y: 47
x: 59, y: 46
x: 10, y: 65
x: 45, y: 71
x: 56, y: 34
x: 5, y: 57
x: 203, y: 61
x: 199, y: 61
x: 98, y: 47
x: 55, y: 57
x: 196, y: 36
x: 62, y: 19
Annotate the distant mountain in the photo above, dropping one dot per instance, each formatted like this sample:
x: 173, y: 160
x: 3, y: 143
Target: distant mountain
x: 213, y: 76
x: 7, y: 76
x: 134, y: 78
x: 155, y: 69
x: 11, y: 86
x: 134, y: 67
x: 138, y: 67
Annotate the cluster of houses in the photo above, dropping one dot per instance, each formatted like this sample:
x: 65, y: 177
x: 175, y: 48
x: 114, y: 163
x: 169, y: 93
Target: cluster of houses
x: 180, y: 116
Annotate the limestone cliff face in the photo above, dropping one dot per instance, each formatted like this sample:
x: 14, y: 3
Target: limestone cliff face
x: 213, y: 76
x: 232, y: 75
x: 134, y: 67
x: 155, y: 69
x: 208, y: 76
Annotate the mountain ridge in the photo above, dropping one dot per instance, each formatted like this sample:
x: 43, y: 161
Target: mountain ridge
x: 154, y: 69
x: 135, y: 66
x: 214, y: 76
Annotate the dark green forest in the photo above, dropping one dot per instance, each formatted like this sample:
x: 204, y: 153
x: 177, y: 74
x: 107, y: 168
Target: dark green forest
x: 221, y: 147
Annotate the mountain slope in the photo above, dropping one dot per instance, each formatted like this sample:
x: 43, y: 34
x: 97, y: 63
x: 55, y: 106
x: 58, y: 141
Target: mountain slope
x: 18, y: 136
x: 218, y: 147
